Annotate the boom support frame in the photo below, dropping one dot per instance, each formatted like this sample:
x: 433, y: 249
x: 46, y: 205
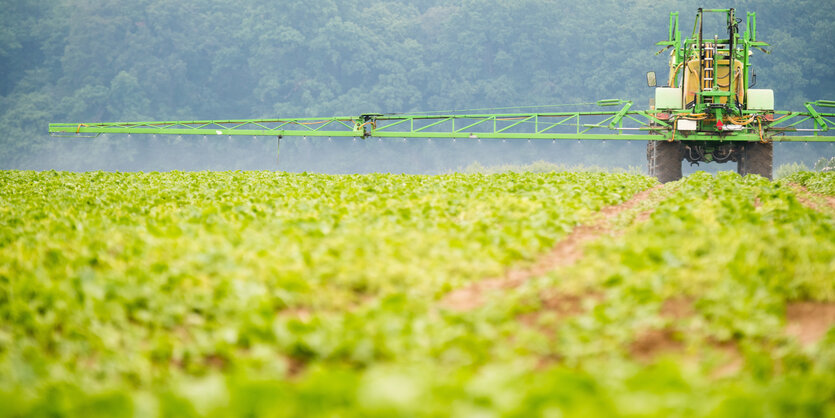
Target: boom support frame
x: 622, y: 124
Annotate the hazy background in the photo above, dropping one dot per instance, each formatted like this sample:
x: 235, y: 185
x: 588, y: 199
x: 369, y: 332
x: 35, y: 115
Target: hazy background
x: 126, y: 60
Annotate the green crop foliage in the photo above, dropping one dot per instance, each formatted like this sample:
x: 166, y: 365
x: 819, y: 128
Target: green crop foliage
x: 707, y: 280
x: 274, y: 294
x: 818, y: 182
x: 122, y: 280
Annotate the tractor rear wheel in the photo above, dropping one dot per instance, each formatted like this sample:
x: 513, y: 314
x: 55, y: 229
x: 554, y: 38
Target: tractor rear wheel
x: 756, y: 158
x: 664, y: 160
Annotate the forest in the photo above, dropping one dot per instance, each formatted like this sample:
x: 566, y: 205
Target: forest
x: 119, y: 60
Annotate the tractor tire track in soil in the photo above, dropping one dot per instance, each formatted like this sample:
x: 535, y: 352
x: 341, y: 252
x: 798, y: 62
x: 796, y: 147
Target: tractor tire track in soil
x: 803, y: 195
x: 566, y: 252
x: 809, y: 321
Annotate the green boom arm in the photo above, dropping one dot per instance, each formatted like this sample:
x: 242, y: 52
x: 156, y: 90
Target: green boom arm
x: 622, y: 124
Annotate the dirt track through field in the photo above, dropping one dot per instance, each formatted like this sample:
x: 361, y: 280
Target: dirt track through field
x: 565, y: 253
x: 803, y: 195
x: 809, y: 321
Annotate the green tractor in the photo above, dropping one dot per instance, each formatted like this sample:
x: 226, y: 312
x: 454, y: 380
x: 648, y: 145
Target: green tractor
x: 710, y: 102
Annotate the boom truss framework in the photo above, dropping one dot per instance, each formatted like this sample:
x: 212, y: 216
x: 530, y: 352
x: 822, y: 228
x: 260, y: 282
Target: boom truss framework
x: 622, y: 124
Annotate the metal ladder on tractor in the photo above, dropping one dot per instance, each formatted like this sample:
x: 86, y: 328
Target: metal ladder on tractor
x: 707, y: 69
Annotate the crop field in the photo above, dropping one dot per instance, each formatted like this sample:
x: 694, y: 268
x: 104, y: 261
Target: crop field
x: 512, y: 294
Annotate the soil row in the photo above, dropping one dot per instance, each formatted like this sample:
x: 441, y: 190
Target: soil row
x: 567, y: 252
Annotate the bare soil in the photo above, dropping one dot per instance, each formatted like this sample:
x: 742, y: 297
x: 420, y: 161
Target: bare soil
x: 302, y: 314
x: 802, y: 192
x: 678, y: 308
x: 809, y: 321
x: 562, y: 304
x: 653, y: 342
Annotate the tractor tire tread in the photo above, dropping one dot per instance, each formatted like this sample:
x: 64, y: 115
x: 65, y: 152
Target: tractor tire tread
x: 664, y: 160
x: 757, y: 158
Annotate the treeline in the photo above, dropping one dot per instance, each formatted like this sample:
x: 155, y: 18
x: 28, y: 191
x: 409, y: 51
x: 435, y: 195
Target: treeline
x: 110, y: 60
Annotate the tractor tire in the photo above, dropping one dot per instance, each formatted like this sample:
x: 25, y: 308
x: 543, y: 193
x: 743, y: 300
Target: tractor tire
x: 664, y: 160
x: 756, y: 158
